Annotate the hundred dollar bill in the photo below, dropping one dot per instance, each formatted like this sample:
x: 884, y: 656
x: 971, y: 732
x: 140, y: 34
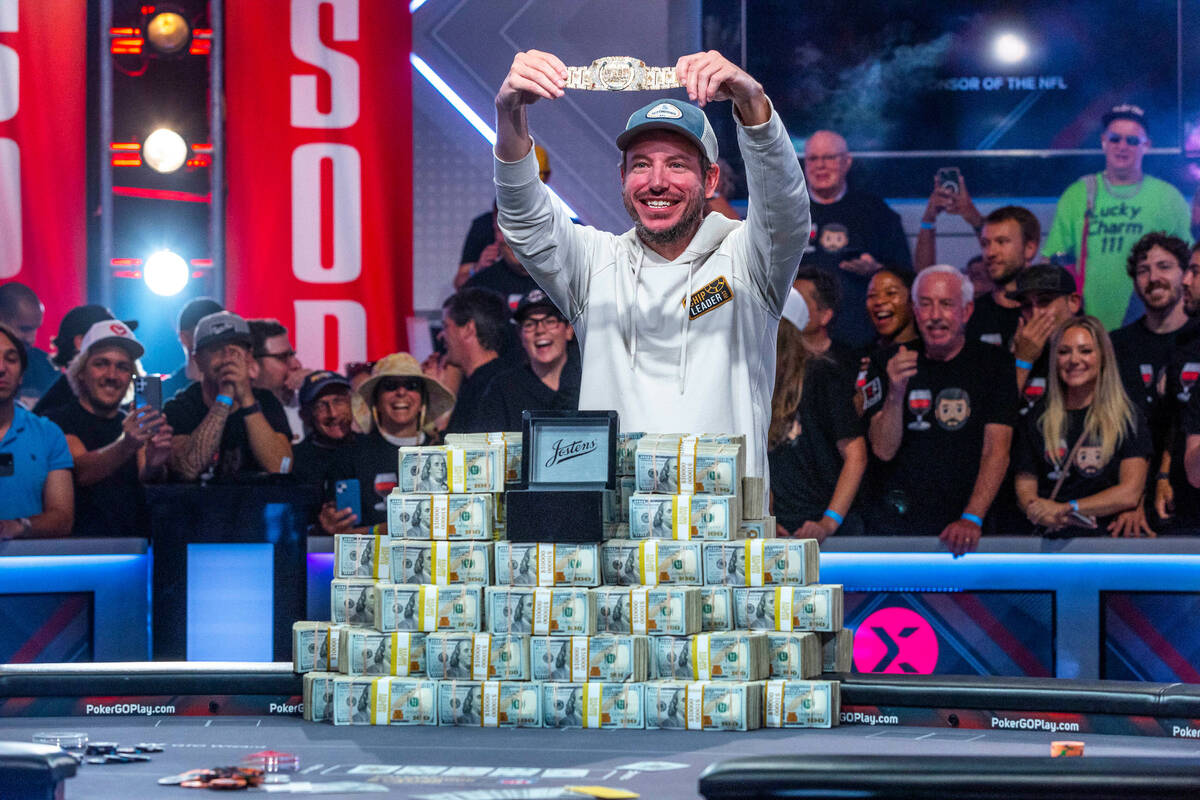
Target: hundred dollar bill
x: 616, y: 530
x: 477, y: 656
x: 759, y: 562
x: 837, y: 650
x: 681, y: 516
x: 452, y: 469
x: 788, y: 608
x: 730, y: 655
x: 509, y: 440
x: 716, y: 608
x: 490, y: 704
x: 794, y: 655
x: 546, y: 564
x: 404, y: 701
x: 359, y: 556
x: 593, y: 705
x: 351, y: 602
x: 318, y: 696
x: 670, y: 610
x: 616, y: 501
x: 440, y: 516
x: 442, y: 563
x: 609, y: 658
x: 753, y: 497
x: 802, y: 704
x: 704, y: 705
x: 540, y: 610
x: 368, y: 652
x: 427, y: 607
x: 688, y: 466
x: 651, y: 562
x: 352, y: 700
x: 757, y: 528
x: 310, y: 647
x: 627, y: 451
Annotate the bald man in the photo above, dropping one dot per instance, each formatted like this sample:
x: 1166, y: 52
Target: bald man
x: 854, y: 233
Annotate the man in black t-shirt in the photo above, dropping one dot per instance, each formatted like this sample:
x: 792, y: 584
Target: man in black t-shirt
x: 941, y: 422
x: 1048, y: 296
x: 504, y: 275
x: 326, y: 413
x: 475, y: 324
x: 114, y: 452
x: 1009, y: 240
x: 1174, y: 489
x: 223, y: 426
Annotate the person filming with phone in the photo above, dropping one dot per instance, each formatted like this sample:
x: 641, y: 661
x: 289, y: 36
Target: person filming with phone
x: 114, y: 451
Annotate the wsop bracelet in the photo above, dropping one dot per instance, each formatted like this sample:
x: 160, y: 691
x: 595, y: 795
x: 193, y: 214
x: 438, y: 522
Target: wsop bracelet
x: 621, y: 74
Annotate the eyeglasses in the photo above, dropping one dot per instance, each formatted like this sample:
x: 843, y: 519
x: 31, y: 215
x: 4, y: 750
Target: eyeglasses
x: 408, y: 384
x: 1132, y: 140
x: 285, y: 356
x: 826, y: 159
x: 531, y: 324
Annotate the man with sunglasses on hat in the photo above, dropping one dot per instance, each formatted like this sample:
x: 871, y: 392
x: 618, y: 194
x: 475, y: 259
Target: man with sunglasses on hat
x: 1115, y: 207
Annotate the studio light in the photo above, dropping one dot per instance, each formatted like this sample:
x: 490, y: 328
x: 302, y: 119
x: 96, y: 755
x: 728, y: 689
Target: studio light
x: 164, y: 150
x: 168, y: 32
x: 165, y: 273
x: 1010, y: 48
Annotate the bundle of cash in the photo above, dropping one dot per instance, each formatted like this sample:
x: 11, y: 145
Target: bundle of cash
x: 490, y: 704
x: 359, y: 556
x: 729, y: 655
x: 440, y: 516
x: 616, y: 530
x: 762, y: 562
x: 704, y: 705
x: 688, y: 466
x: 616, y: 501
x: 802, y: 704
x: 757, y: 528
x: 716, y: 608
x: 627, y: 451
x: 353, y: 700
x: 477, y: 656
x: 442, y: 563
x: 666, y: 610
x: 593, y: 705
x: 609, y: 658
x: 367, y: 652
x: 794, y: 655
x: 310, y: 647
x: 546, y: 564
x: 651, y: 562
x: 426, y: 607
x: 509, y: 440
x: 753, y: 497
x: 540, y: 611
x: 837, y: 650
x: 681, y: 516
x: 788, y: 608
x: 404, y: 701
x: 452, y: 468
x: 318, y: 696
x: 351, y: 602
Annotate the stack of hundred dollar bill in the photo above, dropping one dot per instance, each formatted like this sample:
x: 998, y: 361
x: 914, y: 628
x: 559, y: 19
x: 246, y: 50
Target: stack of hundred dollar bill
x: 692, y: 615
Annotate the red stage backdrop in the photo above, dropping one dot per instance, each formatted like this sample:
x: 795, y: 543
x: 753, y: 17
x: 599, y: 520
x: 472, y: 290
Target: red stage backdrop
x: 43, y: 151
x: 319, y: 170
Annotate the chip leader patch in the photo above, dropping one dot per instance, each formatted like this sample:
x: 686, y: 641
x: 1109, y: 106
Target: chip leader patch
x: 712, y: 295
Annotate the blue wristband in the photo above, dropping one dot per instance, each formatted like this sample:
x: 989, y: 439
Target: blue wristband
x: 973, y: 518
x: 1074, y: 504
x: 1024, y: 364
x: 833, y: 515
x: 928, y: 226
x: 224, y: 399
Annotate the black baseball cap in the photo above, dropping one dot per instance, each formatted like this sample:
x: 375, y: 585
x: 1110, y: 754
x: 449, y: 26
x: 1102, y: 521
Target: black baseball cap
x: 77, y: 322
x: 535, y: 299
x: 1043, y: 279
x: 196, y: 310
x: 315, y: 383
x: 1126, y: 111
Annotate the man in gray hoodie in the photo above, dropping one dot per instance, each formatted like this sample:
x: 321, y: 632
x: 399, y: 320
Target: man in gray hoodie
x: 676, y: 318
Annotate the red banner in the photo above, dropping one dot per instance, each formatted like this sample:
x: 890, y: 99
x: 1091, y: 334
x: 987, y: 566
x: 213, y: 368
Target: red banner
x: 319, y: 144
x: 43, y: 151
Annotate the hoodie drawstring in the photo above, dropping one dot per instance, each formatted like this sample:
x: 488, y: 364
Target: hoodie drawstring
x: 687, y: 298
x: 632, y: 323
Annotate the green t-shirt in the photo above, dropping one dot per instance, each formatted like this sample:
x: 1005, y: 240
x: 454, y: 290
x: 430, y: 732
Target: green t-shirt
x: 1117, y: 224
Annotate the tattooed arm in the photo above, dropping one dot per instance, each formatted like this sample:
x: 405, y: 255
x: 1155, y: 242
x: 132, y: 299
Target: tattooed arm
x: 192, y: 453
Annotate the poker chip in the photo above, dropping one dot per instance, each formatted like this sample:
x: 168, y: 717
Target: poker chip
x: 1065, y: 749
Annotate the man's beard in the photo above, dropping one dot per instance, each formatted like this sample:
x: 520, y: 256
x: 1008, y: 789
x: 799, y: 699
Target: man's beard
x: 99, y: 405
x: 1191, y: 306
x: 1008, y: 277
x: 1172, y: 299
x: 684, y: 229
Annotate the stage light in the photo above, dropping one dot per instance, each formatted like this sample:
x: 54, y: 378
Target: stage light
x: 166, y: 273
x: 1010, y: 48
x: 164, y: 150
x: 168, y: 32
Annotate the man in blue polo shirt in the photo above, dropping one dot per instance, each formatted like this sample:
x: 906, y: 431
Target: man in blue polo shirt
x: 36, y: 494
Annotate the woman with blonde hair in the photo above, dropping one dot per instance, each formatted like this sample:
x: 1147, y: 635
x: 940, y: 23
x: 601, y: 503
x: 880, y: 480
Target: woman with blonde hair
x: 1082, y: 453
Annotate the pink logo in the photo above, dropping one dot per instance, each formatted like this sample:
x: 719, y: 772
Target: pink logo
x: 895, y: 640
x: 118, y: 329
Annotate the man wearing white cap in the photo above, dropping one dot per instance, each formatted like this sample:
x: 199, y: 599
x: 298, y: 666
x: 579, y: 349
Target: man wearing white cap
x: 677, y: 317
x: 113, y: 451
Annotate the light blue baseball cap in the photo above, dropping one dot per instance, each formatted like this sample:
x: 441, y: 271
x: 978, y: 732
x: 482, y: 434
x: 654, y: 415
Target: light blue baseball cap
x: 675, y: 116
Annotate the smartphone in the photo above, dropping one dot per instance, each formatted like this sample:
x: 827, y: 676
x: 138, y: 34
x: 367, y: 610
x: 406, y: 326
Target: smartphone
x: 346, y: 495
x: 1082, y: 520
x: 147, y: 391
x: 950, y: 179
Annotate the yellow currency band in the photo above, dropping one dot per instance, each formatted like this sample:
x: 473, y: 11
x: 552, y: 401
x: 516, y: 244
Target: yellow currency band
x: 639, y: 602
x: 648, y: 562
x: 545, y: 563
x: 481, y: 656
x: 701, y: 661
x: 774, y: 704
x: 379, y: 701
x: 581, y: 657
x: 753, y: 562
x: 489, y: 711
x: 456, y: 460
x: 694, y: 704
x: 783, y: 608
x: 681, y: 516
x: 593, y: 697
x: 440, y: 556
x: 439, y: 516
x: 376, y: 561
x: 427, y: 605
x: 686, y: 464
x: 543, y: 607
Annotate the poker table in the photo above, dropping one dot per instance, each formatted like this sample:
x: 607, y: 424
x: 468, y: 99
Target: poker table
x: 901, y: 735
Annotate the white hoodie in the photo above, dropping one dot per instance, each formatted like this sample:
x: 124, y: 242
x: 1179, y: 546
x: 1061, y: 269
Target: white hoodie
x: 665, y: 364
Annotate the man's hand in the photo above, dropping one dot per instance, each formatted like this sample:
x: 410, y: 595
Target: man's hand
x: 960, y: 204
x: 1164, y: 499
x: 864, y: 265
x: 333, y: 521
x: 158, y: 448
x: 533, y: 75
x: 961, y: 536
x: 1131, y: 524
x: 1031, y: 337
x: 710, y: 76
x: 10, y: 529
x: 488, y: 256
x: 140, y: 425
x: 819, y: 530
x: 235, y: 377
x: 900, y: 368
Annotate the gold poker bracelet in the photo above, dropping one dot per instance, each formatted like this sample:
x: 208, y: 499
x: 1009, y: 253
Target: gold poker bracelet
x: 621, y: 74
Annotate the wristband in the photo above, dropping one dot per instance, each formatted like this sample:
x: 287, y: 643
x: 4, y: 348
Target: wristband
x: 928, y: 226
x: 833, y: 515
x: 1074, y: 504
x: 969, y: 517
x: 252, y: 409
x: 1163, y: 476
x: 224, y: 400
x: 1023, y: 364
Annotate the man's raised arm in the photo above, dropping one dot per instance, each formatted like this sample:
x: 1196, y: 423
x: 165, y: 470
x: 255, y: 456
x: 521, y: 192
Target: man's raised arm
x: 532, y: 76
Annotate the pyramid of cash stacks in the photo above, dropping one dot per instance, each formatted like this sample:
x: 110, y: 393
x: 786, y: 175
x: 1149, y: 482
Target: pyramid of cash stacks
x: 690, y: 614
